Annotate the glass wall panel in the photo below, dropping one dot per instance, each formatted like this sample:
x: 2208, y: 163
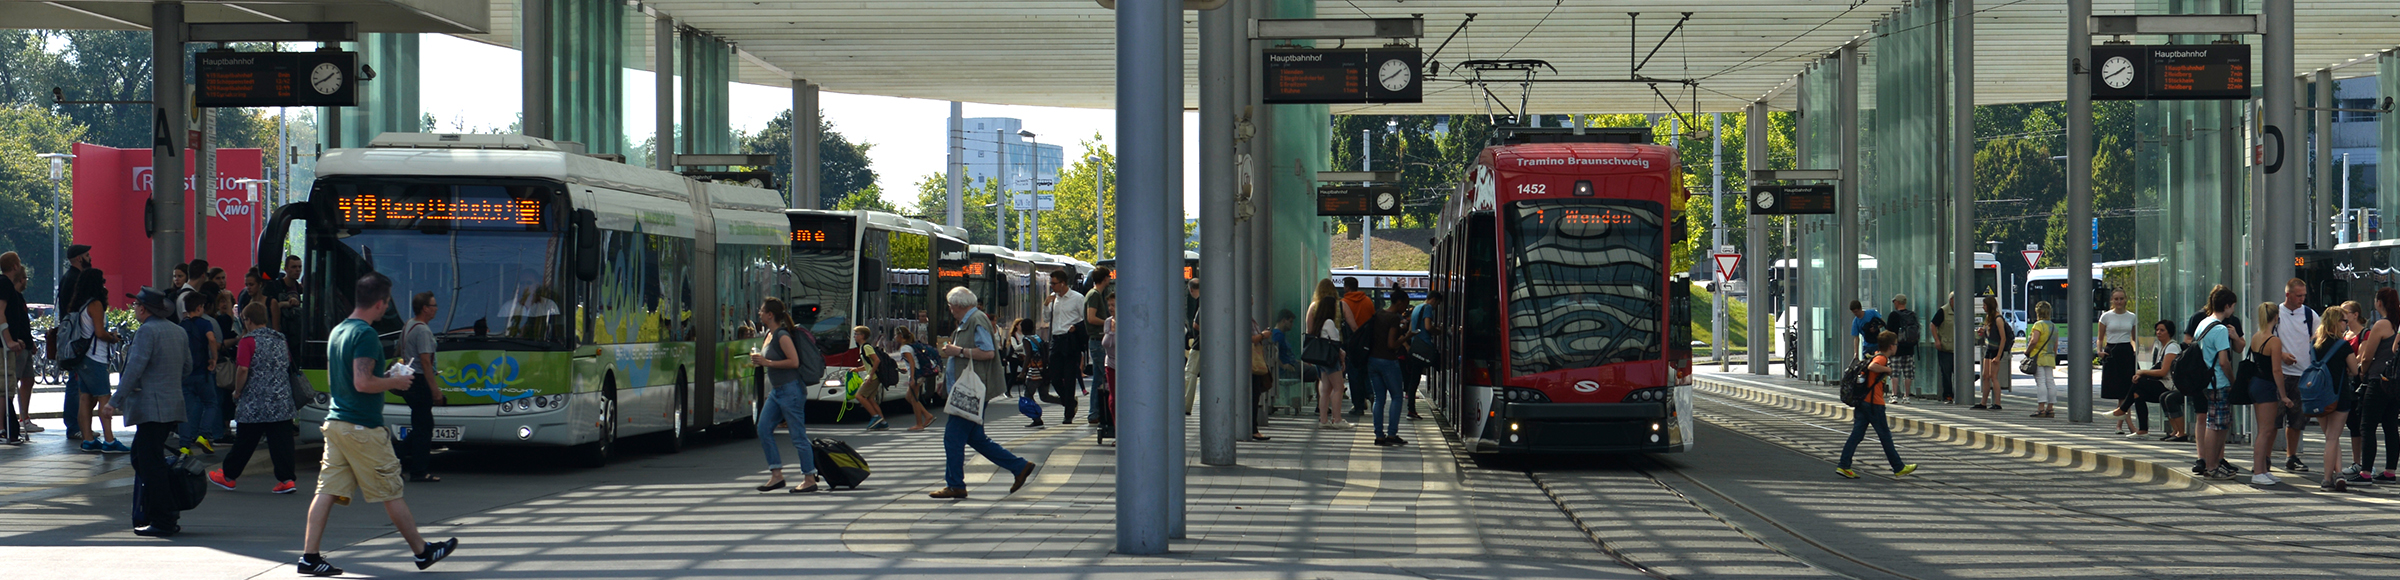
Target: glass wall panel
x: 1819, y: 149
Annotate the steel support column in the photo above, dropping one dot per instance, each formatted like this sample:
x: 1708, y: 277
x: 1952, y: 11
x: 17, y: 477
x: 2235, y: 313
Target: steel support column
x: 1716, y: 239
x: 534, y: 48
x: 1962, y: 200
x: 2321, y: 157
x: 808, y: 191
x: 1000, y: 201
x: 1219, y: 37
x: 1847, y: 206
x: 662, y: 66
x: 1754, y: 244
x: 1149, y: 106
x: 2280, y: 133
x: 2078, y: 311
x: 166, y: 145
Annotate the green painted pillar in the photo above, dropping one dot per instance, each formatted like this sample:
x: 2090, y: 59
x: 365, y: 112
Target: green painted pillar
x: 388, y: 103
x: 588, y: 48
x: 1296, y: 143
x: 707, y: 97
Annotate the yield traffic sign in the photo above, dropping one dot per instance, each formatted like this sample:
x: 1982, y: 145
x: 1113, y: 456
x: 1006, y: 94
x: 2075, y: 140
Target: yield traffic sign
x: 1727, y: 264
x: 2032, y: 256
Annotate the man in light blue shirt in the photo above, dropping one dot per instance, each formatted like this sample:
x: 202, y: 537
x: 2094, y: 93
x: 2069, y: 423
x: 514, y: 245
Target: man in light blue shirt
x: 2218, y: 345
x: 971, y: 347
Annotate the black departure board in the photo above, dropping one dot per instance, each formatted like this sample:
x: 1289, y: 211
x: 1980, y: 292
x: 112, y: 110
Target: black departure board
x: 1345, y: 200
x: 1341, y: 76
x: 2170, y: 72
x: 275, y: 79
x: 1791, y: 199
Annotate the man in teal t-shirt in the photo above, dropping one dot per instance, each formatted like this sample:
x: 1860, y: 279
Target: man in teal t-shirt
x: 358, y: 450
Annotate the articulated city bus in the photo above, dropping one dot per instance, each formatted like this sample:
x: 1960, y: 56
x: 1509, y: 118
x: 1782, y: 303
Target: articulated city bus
x: 1557, y: 338
x: 579, y: 300
x: 885, y: 272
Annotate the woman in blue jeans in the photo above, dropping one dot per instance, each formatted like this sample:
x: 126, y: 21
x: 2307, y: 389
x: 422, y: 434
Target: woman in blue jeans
x: 787, y: 402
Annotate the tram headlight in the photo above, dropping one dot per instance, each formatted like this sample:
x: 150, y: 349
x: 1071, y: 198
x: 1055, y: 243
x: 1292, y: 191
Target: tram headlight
x: 1523, y: 395
x: 1651, y: 395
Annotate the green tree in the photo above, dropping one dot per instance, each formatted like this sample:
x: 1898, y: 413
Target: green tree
x: 870, y: 198
x: 843, y: 168
x: 27, y: 68
x: 1069, y: 229
x: 25, y: 189
x: 933, y: 204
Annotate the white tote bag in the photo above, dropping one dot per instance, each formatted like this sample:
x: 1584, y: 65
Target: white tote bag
x: 967, y: 395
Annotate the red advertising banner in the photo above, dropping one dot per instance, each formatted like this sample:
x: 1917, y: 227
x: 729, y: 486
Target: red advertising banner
x: 111, y: 185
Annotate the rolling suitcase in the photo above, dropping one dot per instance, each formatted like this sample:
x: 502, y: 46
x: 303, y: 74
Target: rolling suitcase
x: 838, y: 464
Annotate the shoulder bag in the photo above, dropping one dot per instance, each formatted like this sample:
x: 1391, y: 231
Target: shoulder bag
x: 966, y: 407
x: 2033, y: 350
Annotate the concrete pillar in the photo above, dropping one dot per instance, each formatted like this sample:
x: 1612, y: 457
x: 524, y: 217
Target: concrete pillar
x: 1149, y: 105
x: 2317, y: 227
x: 534, y: 47
x: 1962, y: 198
x: 662, y: 62
x: 1764, y: 339
x: 166, y: 145
x: 955, y: 172
x: 2078, y: 309
x: 1220, y: 37
x: 808, y: 188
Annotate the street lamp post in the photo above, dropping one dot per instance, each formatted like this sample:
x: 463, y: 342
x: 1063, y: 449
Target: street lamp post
x: 1033, y: 189
x: 1099, y: 200
x: 58, y: 260
x: 256, y: 210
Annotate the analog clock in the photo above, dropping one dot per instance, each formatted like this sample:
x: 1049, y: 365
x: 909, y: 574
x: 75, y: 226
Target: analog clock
x: 2117, y: 72
x: 1395, y: 75
x: 1386, y: 201
x: 1765, y: 200
x: 326, y: 79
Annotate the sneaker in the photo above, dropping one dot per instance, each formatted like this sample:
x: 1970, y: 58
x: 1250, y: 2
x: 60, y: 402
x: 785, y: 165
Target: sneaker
x: 115, y: 448
x: 2264, y: 479
x: 2334, y: 484
x: 29, y: 427
x: 1979, y: 407
x: 878, y: 425
x: 2356, y: 479
x: 1382, y: 442
x: 217, y: 476
x: 2221, y: 473
x: 435, y: 552
x: 1905, y: 470
x: 1343, y: 425
x: 2385, y: 477
x: 317, y: 566
x: 2200, y: 467
x: 158, y: 530
x: 91, y: 446
x: 286, y: 488
x: 1846, y: 472
x: 2292, y: 462
x: 2354, y: 468
x: 1397, y: 441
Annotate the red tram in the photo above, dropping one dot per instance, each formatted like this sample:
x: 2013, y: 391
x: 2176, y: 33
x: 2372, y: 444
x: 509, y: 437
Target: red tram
x: 1563, y: 332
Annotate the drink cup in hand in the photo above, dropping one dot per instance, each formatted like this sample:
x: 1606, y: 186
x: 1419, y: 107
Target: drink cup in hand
x: 401, y: 369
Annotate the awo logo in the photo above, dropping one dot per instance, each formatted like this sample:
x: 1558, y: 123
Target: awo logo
x: 1587, y: 386
x: 229, y: 207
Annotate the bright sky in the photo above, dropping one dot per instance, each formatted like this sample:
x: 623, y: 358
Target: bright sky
x: 477, y: 83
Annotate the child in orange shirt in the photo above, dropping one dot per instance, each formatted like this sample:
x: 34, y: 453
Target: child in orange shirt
x: 1871, y: 413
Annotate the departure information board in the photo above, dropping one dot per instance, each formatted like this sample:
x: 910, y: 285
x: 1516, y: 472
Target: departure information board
x: 1344, y: 200
x: 1791, y: 199
x: 275, y: 79
x: 1355, y: 75
x: 2170, y: 72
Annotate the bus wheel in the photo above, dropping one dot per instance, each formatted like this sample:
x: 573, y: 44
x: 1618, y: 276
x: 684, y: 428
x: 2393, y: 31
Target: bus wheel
x: 677, y: 435
x: 596, y: 453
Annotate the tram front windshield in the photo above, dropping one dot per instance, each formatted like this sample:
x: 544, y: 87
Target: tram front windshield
x: 491, y: 253
x: 1583, y: 285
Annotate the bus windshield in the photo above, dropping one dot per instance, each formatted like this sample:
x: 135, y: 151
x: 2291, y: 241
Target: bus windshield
x: 1583, y: 283
x: 490, y: 251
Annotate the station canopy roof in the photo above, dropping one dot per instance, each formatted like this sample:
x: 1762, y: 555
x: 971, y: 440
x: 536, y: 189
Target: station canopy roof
x: 447, y: 16
x: 1062, y: 52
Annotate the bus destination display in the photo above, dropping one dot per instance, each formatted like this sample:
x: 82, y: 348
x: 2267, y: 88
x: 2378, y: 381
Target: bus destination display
x: 275, y: 79
x: 480, y: 213
x: 2171, y: 72
x: 820, y: 232
x: 1337, y: 76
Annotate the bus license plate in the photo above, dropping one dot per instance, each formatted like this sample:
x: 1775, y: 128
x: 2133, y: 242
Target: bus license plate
x: 448, y: 433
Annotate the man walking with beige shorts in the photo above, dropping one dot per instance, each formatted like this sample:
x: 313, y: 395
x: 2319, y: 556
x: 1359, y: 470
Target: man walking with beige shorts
x: 358, y: 448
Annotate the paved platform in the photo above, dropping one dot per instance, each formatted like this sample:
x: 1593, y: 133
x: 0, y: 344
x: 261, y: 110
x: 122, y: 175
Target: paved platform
x: 2094, y: 447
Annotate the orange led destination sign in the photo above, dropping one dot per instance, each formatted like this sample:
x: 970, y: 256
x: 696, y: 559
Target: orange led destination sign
x: 810, y: 232
x: 487, y: 213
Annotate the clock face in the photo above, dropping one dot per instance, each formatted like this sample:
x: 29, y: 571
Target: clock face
x: 1766, y: 200
x: 326, y: 79
x: 2117, y: 72
x: 1395, y: 75
x: 1385, y: 201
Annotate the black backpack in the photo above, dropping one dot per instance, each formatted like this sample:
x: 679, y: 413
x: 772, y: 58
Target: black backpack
x: 886, y: 372
x: 1873, y: 329
x: 1857, y: 381
x: 1904, y: 323
x: 2194, y: 373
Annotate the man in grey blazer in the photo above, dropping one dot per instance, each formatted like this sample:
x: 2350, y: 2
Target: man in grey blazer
x: 150, y: 398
